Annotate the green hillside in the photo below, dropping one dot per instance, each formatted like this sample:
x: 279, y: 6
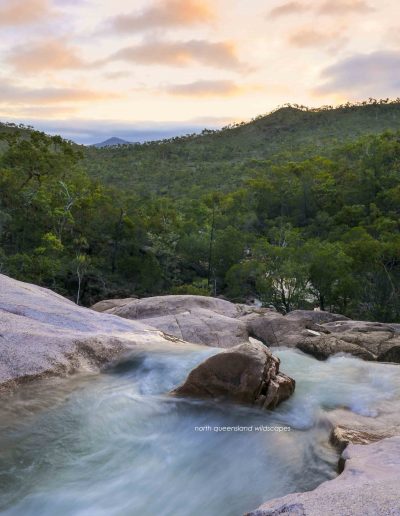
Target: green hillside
x: 222, y: 160
x: 297, y: 209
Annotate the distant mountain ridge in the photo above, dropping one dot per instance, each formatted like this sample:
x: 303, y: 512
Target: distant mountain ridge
x: 111, y: 142
x: 222, y: 160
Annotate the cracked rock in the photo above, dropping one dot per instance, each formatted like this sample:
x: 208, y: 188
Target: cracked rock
x: 247, y: 373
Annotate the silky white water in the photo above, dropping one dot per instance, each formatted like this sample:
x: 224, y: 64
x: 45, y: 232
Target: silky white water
x: 118, y: 444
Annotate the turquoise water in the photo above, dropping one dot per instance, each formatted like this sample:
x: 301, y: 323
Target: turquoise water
x: 118, y: 444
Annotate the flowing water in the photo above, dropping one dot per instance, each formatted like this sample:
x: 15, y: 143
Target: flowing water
x: 117, y: 444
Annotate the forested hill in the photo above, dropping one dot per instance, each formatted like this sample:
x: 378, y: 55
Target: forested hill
x: 299, y: 208
x: 222, y: 160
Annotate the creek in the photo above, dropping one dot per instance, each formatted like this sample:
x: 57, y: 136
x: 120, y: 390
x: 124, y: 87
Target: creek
x: 116, y: 444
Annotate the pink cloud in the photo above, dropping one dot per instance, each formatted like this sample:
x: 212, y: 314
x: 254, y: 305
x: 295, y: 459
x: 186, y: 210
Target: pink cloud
x: 344, y: 7
x: 328, y: 7
x: 204, y: 88
x: 180, y: 53
x: 310, y: 37
x: 14, y: 94
x: 23, y: 12
x: 44, y: 55
x: 164, y: 14
x: 289, y: 8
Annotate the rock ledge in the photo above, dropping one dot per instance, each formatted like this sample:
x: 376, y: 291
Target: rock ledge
x: 368, y: 486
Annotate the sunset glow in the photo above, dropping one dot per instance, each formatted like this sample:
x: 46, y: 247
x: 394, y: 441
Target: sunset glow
x: 178, y: 64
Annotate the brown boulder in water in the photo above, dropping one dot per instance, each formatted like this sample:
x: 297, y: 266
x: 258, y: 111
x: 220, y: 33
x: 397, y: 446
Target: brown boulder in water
x: 247, y: 373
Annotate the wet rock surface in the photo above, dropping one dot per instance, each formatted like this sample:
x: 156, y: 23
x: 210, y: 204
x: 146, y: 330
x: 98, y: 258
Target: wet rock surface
x: 368, y: 485
x: 247, y: 373
x: 390, y: 355
x: 342, y: 436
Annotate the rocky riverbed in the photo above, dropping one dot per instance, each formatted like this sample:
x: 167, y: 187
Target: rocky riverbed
x: 92, y: 442
x: 216, y: 322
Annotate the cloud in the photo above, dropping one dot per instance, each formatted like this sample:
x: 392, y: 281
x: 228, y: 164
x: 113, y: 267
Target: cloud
x: 329, y: 7
x: 37, y: 111
x: 180, y: 53
x: 363, y: 75
x: 206, y: 89
x: 121, y: 74
x: 314, y: 38
x: 22, y: 12
x: 44, y: 55
x: 73, y: 3
x: 163, y: 14
x: 344, y: 7
x: 57, y: 54
x: 288, y: 9
x: 12, y: 94
x: 392, y: 36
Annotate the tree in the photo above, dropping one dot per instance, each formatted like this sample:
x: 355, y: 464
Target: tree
x: 284, y: 282
x: 329, y: 273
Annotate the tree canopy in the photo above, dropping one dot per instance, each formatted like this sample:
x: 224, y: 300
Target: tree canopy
x: 291, y: 222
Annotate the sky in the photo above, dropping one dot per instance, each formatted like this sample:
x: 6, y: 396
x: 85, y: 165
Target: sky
x: 147, y: 69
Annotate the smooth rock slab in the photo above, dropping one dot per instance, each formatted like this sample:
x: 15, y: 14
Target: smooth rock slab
x: 197, y: 319
x: 42, y: 334
x: 107, y: 305
x: 316, y: 316
x: 247, y: 373
x: 368, y: 486
x: 157, y: 306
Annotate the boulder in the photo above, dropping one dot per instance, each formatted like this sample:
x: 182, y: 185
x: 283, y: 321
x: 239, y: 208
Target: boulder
x: 376, y: 342
x: 150, y: 307
x: 316, y: 316
x: 323, y: 346
x: 323, y: 334
x: 42, y: 334
x: 365, y: 340
x: 277, y: 330
x: 359, y: 326
x: 247, y: 373
x: 391, y: 355
x: 220, y: 323
x: 369, y: 485
x: 108, y: 304
x: 377, y: 339
x: 197, y: 319
x: 202, y: 327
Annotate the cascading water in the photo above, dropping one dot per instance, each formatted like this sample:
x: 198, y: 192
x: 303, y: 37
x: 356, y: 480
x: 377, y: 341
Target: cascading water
x: 118, y: 444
